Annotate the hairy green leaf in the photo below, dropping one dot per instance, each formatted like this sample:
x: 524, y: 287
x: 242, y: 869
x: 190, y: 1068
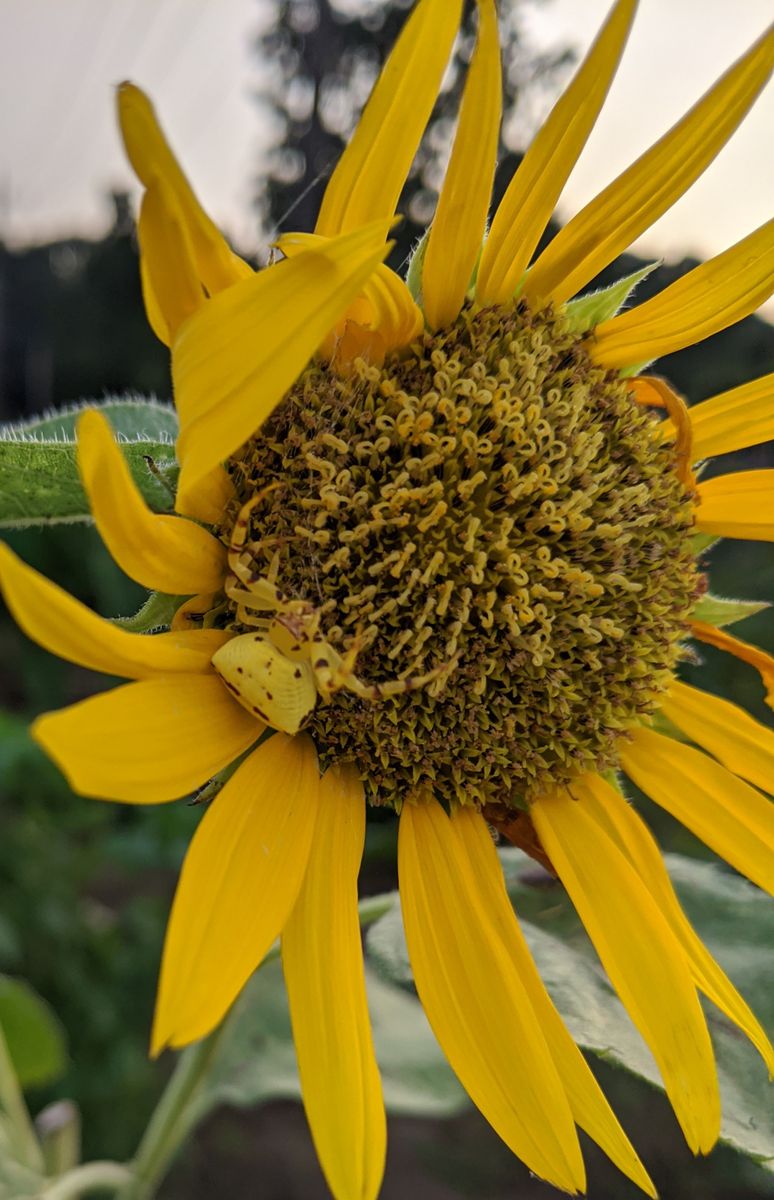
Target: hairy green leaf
x: 135, y: 418
x: 40, y: 482
x: 156, y: 613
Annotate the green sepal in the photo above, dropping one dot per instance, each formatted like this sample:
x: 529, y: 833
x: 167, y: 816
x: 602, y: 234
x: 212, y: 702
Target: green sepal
x: 585, y: 312
x: 39, y: 471
x: 661, y: 724
x: 714, y: 610
x: 416, y: 266
x: 703, y: 541
x: 156, y: 613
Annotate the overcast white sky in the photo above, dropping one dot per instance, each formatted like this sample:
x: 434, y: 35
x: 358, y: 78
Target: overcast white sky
x: 59, y: 151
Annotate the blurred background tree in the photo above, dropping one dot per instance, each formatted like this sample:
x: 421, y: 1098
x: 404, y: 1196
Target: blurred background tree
x: 84, y: 887
x: 323, y: 57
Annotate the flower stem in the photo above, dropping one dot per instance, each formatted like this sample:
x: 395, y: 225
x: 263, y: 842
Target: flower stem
x: 12, y: 1103
x: 175, y: 1114
x: 91, y: 1177
x: 172, y: 1119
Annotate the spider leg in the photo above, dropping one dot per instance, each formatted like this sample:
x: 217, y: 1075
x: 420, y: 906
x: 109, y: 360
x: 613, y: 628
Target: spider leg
x: 335, y: 673
x: 395, y: 687
x: 242, y: 524
x: 257, y: 593
x: 244, y: 617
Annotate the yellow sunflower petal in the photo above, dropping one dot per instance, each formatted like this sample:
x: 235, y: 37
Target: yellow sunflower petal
x: 151, y: 158
x: 734, y: 820
x: 609, y: 809
x: 148, y: 742
x: 370, y: 174
x: 236, y: 357
x: 729, y: 733
x: 210, y: 498
x: 633, y: 201
x: 322, y: 957
x: 652, y: 392
x: 396, y: 317
x: 530, y: 200
x: 61, y: 624
x: 734, y: 420
x: 706, y: 300
x: 587, y: 1101
x: 240, y: 879
x: 170, y: 283
x: 477, y: 1005
x: 641, y: 955
x: 163, y: 553
x: 763, y: 662
x: 460, y: 219
x: 385, y: 305
x: 739, y: 505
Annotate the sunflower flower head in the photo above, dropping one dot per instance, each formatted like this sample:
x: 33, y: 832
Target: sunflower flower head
x: 493, y: 550
x: 437, y: 540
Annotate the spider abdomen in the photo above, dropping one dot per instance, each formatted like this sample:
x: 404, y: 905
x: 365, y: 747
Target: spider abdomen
x: 274, y: 688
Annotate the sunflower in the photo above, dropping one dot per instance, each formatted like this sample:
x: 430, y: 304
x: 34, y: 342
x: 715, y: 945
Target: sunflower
x: 439, y: 543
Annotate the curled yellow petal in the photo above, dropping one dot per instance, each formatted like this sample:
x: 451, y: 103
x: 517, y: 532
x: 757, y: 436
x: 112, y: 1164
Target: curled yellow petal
x: 729, y: 733
x: 642, y: 956
x: 739, y: 505
x: 370, y: 174
x: 151, y: 157
x: 163, y: 553
x: 734, y: 819
x: 530, y: 200
x: 709, y: 298
x: 633, y: 201
x: 322, y: 957
x: 148, y: 742
x: 385, y: 306
x: 609, y: 809
x: 170, y: 282
x: 210, y: 498
x: 475, y: 1001
x: 235, y: 359
x: 763, y: 662
x: 460, y: 219
x: 239, y: 882
x: 652, y: 392
x: 587, y: 1101
x: 741, y: 417
x: 61, y: 624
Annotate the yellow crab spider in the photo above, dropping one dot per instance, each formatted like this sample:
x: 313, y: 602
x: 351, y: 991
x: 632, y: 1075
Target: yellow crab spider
x: 279, y: 674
